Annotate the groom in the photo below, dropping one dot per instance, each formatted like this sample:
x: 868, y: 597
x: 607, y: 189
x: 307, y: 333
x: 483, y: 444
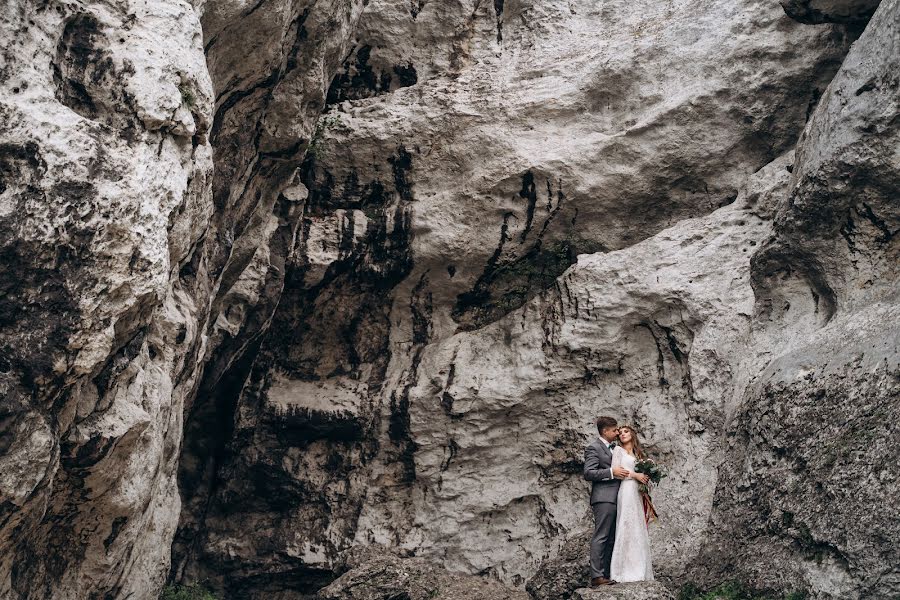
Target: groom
x: 605, y: 478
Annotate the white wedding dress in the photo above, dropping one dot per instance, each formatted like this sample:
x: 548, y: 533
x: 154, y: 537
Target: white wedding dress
x: 631, y: 551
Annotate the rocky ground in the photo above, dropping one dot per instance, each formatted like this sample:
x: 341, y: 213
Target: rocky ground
x: 321, y: 297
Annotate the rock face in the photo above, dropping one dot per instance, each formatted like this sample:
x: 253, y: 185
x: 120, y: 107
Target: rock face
x: 105, y: 173
x: 270, y: 63
x: 808, y: 475
x: 430, y: 376
x: 377, y: 575
x: 560, y: 576
x: 242, y: 340
x: 626, y: 591
x: 127, y: 266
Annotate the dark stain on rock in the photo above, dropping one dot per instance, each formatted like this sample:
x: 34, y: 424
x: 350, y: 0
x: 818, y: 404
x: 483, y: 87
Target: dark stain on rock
x: 117, y: 525
x: 513, y: 275
x: 506, y: 286
x: 86, y: 79
x: 406, y: 75
x: 297, y: 426
x: 529, y: 194
x: 76, y: 54
x: 399, y: 432
x: 359, y: 79
x: 420, y: 307
x: 401, y: 165
x: 41, y: 279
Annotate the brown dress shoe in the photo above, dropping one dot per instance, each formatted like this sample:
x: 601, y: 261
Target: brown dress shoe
x: 598, y: 581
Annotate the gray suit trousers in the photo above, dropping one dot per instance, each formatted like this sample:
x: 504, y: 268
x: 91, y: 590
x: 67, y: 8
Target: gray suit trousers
x: 603, y: 539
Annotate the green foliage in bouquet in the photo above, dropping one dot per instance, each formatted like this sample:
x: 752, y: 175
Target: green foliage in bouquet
x: 649, y: 467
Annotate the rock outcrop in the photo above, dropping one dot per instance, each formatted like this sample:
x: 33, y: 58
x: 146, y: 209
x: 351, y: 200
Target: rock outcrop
x: 807, y: 466
x: 284, y: 280
x: 106, y: 170
x: 429, y: 378
x: 560, y: 576
x: 375, y: 574
x: 271, y: 64
x: 129, y: 266
x: 626, y: 591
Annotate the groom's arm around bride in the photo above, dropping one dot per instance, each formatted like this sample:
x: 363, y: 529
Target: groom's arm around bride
x: 595, y: 467
x: 598, y: 464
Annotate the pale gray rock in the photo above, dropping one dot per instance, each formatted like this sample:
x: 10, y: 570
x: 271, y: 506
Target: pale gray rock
x: 649, y: 590
x: 801, y: 490
x: 805, y: 472
x: 839, y: 224
x: 125, y: 265
x: 106, y: 172
x: 560, y: 576
x: 426, y: 382
x: 378, y: 575
x: 393, y: 324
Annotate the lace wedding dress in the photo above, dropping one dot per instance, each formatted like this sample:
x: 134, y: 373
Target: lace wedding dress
x: 631, y: 551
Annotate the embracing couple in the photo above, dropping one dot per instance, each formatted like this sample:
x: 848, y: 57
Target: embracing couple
x: 620, y: 546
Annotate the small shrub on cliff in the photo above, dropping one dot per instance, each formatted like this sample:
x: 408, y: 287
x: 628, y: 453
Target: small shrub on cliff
x: 194, y: 591
x: 314, y: 149
x: 732, y: 591
x: 186, y: 95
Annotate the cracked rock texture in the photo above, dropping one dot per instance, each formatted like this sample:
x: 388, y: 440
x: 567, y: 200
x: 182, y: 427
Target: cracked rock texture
x: 127, y: 264
x: 105, y: 173
x: 284, y: 280
x: 376, y: 574
x: 809, y: 474
x: 626, y: 591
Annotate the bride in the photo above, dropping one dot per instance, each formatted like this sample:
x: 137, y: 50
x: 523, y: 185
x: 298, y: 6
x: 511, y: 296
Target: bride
x: 631, y: 550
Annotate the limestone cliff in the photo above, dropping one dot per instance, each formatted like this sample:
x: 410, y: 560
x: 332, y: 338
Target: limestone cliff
x: 286, y: 280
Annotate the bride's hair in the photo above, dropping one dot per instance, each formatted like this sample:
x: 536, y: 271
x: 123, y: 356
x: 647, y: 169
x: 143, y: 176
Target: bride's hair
x: 635, y: 441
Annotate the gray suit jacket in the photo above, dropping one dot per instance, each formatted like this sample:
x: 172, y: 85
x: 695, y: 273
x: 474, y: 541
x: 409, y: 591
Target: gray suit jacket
x: 598, y: 470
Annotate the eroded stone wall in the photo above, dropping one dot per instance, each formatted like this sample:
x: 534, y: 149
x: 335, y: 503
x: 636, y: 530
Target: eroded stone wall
x: 285, y: 279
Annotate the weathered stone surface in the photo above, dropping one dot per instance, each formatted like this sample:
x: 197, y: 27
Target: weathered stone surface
x: 366, y: 416
x: 105, y: 174
x: 393, y: 324
x: 270, y: 63
x: 805, y: 476
x: 572, y: 137
x: 127, y: 266
x: 800, y: 493
x: 650, y: 590
x: 838, y: 227
x: 654, y: 333
x: 378, y: 575
x: 561, y: 575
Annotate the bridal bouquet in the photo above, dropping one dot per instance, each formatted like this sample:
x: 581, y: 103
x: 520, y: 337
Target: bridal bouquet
x: 655, y: 472
x: 651, y: 469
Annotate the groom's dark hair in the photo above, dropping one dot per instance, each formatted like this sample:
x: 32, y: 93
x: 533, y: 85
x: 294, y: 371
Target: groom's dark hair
x: 604, y: 422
